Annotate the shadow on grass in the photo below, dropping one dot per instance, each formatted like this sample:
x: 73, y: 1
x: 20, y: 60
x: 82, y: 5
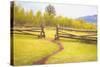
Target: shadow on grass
x: 78, y: 40
x: 89, y: 41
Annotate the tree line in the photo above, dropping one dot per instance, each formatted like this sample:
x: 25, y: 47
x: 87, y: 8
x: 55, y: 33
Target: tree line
x: 48, y: 18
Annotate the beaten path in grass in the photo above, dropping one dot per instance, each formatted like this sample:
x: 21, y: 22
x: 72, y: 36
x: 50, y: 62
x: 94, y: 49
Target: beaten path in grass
x: 43, y: 60
x: 50, y: 37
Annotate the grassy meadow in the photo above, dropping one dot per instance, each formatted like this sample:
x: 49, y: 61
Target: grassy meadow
x: 74, y: 51
x: 29, y: 49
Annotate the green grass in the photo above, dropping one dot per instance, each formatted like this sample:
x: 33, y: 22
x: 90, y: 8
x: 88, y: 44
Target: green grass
x: 28, y: 49
x: 74, y: 51
x: 50, y: 33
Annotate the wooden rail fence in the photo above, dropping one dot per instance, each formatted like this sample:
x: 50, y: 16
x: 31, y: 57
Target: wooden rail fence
x: 63, y: 32
x: 29, y: 30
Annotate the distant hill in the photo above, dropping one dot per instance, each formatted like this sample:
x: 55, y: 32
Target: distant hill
x: 91, y: 19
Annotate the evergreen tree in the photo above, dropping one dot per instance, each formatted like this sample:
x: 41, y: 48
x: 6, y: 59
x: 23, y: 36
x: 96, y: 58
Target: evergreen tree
x: 50, y: 10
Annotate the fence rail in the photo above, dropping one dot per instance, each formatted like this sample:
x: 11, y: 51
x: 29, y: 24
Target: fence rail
x: 28, y: 29
x: 63, y: 32
x: 77, y: 30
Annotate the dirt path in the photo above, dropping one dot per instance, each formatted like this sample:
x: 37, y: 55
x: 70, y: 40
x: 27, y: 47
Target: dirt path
x: 43, y: 60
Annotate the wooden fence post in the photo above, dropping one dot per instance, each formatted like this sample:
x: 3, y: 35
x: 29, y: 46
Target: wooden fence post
x: 42, y: 26
x: 57, y: 32
x: 42, y: 33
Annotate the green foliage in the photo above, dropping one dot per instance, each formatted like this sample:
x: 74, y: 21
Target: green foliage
x: 19, y: 16
x: 38, y: 18
x: 48, y: 18
x: 29, y: 17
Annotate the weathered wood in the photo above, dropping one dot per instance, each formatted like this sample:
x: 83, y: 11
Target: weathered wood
x: 89, y: 35
x: 30, y: 30
x: 25, y: 33
x: 89, y: 38
x: 42, y: 33
x: 76, y: 30
x: 69, y: 36
x: 60, y: 33
x: 27, y: 29
x: 57, y: 33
